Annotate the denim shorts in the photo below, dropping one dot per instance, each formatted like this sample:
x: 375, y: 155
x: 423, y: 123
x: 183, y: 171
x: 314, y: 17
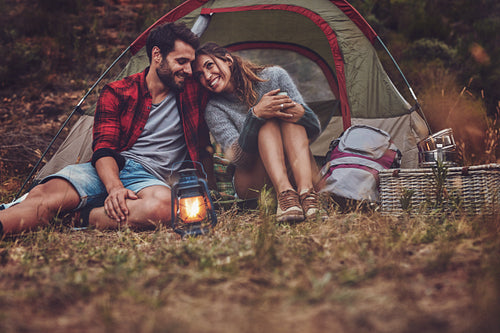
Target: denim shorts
x: 90, y: 188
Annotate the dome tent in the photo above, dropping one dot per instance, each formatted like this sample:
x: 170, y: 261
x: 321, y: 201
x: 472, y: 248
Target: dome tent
x: 326, y: 46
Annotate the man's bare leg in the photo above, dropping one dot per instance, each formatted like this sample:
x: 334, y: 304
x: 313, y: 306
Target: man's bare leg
x: 41, y: 205
x: 153, y: 207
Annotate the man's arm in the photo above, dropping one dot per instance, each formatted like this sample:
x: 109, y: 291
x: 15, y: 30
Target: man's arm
x: 106, y: 158
x: 114, y: 205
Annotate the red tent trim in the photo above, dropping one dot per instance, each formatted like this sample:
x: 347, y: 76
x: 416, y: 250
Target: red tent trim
x: 356, y: 17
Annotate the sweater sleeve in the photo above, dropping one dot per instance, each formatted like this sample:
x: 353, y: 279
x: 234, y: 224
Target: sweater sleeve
x: 222, y: 128
x: 309, y: 120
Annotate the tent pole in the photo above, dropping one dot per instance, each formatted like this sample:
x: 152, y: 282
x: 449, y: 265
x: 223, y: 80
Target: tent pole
x: 76, y: 109
x: 406, y: 81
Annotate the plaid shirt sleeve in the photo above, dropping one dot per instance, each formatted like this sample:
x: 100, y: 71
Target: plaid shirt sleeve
x: 106, y: 120
x: 121, y: 113
x: 106, y: 130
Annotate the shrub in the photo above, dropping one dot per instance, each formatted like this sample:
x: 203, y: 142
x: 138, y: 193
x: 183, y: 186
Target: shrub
x: 426, y: 49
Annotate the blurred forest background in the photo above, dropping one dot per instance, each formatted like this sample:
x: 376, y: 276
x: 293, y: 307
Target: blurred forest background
x: 54, y: 50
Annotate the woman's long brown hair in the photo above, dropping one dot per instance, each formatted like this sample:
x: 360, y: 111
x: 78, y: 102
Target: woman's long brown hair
x: 243, y: 72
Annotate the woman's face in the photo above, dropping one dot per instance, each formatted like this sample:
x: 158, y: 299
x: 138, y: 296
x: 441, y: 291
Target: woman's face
x: 213, y: 73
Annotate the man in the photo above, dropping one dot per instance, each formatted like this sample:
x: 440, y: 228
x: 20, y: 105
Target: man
x: 144, y: 125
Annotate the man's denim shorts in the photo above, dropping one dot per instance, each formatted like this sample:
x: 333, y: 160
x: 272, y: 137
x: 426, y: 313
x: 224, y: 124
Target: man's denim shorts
x: 89, y: 186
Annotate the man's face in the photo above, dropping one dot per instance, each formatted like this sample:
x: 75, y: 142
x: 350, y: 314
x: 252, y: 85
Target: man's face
x: 176, y: 66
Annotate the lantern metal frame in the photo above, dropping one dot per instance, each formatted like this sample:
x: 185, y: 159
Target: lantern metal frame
x: 191, y: 185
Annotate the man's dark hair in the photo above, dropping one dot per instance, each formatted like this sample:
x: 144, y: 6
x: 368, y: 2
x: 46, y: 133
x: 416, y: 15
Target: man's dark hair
x: 164, y: 36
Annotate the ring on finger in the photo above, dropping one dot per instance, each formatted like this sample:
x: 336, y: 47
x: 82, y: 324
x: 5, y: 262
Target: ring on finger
x: 281, y: 106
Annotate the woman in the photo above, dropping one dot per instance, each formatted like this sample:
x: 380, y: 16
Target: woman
x: 264, y: 127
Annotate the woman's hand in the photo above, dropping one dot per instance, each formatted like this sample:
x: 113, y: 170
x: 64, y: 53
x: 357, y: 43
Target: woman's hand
x: 296, y: 111
x: 272, y: 105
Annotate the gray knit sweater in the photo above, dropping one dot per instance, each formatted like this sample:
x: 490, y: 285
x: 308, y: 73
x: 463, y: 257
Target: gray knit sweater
x: 236, y: 129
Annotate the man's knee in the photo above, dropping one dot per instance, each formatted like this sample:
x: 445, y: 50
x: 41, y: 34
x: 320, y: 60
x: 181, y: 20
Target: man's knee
x: 158, y: 204
x: 56, y: 194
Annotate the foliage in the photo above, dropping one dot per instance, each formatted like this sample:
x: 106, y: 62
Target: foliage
x: 465, y: 29
x: 429, y: 49
x: 71, y: 38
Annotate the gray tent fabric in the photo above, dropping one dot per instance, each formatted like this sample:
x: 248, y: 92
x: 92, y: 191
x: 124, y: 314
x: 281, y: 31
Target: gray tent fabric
x: 76, y: 148
x: 330, y: 34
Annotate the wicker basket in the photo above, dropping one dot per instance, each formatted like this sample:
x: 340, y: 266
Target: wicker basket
x: 474, y: 189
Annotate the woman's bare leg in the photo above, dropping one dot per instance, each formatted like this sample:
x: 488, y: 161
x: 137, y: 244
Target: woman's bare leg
x: 269, y: 168
x: 304, y: 168
x: 272, y: 153
x: 296, y: 146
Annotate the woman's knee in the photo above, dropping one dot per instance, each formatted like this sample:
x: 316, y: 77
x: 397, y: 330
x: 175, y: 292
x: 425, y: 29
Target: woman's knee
x: 270, y: 125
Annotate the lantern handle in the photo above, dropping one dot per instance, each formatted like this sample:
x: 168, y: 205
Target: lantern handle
x: 195, y: 162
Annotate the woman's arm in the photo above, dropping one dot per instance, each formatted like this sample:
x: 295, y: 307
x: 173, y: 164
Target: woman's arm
x: 225, y: 133
x: 307, y: 117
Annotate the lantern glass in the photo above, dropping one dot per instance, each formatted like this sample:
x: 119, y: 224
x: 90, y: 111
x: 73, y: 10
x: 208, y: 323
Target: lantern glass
x: 192, y: 209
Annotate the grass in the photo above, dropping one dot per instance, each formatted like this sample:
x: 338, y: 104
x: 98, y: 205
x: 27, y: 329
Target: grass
x: 355, y: 272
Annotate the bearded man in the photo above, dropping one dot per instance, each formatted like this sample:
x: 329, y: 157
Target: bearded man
x: 145, y: 125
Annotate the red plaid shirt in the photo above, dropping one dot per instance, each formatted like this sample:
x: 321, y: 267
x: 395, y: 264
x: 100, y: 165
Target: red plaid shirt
x: 123, y: 110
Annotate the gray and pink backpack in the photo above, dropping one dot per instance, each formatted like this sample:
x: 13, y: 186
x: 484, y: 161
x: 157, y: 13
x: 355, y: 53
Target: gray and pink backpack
x: 354, y: 161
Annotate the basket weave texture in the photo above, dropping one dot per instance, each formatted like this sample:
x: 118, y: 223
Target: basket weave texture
x: 474, y: 189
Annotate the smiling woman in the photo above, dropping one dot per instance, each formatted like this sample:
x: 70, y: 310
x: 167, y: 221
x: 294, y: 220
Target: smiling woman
x: 265, y: 134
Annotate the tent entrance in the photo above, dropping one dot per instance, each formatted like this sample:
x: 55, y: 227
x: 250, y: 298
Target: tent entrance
x: 307, y: 74
x: 282, y: 26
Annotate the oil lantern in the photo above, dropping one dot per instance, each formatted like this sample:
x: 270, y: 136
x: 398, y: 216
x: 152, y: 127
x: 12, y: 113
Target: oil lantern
x: 192, y: 209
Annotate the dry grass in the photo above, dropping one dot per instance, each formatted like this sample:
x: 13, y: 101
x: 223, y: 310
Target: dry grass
x: 447, y: 105
x: 355, y: 272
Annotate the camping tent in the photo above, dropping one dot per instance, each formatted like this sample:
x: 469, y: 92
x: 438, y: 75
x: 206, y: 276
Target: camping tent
x: 326, y: 46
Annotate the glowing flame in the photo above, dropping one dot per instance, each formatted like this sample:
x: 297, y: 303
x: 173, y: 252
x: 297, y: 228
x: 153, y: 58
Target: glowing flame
x: 192, y: 209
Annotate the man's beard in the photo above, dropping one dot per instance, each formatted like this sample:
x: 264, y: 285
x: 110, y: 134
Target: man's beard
x: 167, y: 77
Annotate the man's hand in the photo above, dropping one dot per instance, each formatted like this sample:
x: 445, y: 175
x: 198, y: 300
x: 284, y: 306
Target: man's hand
x: 115, y: 206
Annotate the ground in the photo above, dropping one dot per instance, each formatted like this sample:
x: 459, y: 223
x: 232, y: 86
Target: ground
x: 354, y: 272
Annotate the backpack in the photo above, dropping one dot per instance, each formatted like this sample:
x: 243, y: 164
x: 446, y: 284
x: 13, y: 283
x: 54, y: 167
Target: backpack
x: 354, y: 160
